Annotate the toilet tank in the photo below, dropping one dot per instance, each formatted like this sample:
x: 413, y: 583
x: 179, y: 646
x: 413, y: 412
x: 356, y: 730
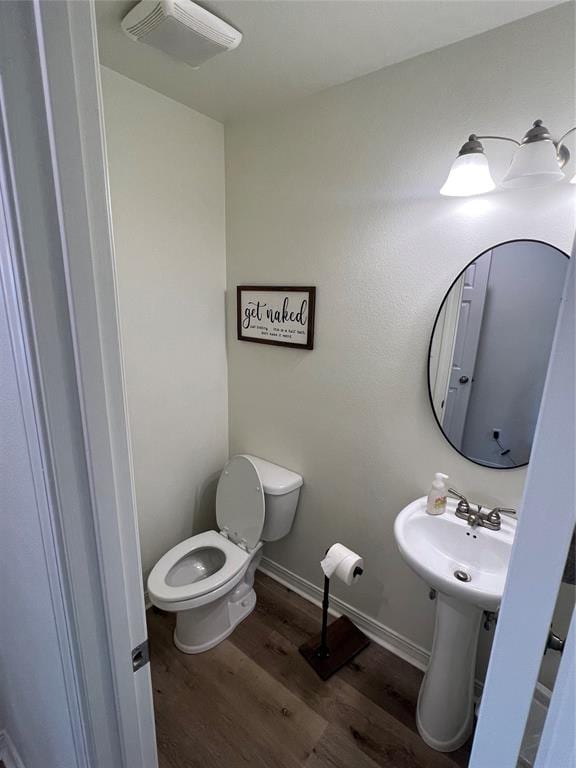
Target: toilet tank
x: 281, y: 492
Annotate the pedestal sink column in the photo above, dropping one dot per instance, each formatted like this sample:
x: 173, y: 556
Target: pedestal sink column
x: 445, y: 704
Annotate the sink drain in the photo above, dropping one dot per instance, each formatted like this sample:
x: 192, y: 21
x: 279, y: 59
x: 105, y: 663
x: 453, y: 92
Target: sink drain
x: 462, y: 576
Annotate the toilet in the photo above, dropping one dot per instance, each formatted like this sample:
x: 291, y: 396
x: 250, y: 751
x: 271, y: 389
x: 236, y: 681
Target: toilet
x: 207, y: 580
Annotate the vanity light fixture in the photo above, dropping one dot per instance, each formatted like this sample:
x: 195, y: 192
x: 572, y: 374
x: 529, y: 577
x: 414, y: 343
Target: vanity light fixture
x: 470, y: 172
x: 538, y: 161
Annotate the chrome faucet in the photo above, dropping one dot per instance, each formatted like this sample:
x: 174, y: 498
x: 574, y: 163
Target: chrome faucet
x: 491, y: 520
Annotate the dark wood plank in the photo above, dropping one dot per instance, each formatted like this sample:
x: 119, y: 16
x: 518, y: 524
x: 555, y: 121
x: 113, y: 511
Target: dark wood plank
x: 376, y: 732
x: 285, y: 611
x: 386, y: 679
x: 334, y: 750
x: 192, y: 730
x: 344, y: 641
x: 260, y: 717
x: 255, y: 701
x: 389, y: 681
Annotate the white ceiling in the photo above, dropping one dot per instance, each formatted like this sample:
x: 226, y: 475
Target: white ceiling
x: 292, y: 48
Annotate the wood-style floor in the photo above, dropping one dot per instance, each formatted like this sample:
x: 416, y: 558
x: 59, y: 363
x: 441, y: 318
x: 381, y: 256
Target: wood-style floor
x: 254, y: 701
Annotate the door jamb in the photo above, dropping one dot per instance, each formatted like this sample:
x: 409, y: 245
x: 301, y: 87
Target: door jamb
x: 538, y: 558
x: 73, y: 336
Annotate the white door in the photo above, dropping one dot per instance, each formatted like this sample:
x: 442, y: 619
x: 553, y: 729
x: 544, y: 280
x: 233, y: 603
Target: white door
x: 54, y: 187
x: 546, y: 522
x: 469, y: 325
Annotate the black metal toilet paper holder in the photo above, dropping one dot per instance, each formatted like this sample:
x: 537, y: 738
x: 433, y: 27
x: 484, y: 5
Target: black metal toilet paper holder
x: 337, y: 643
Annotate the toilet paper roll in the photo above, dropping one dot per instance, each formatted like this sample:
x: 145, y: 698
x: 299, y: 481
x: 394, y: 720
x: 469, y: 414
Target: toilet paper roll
x: 341, y: 562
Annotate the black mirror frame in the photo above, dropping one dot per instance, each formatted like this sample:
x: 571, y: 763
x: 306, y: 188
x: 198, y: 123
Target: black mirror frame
x: 452, y: 284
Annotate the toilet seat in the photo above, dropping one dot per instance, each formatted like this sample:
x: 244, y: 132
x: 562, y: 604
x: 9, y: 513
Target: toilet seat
x: 240, y: 504
x: 240, y: 512
x: 235, y: 559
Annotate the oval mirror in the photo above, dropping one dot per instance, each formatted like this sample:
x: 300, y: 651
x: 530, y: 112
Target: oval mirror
x: 489, y: 350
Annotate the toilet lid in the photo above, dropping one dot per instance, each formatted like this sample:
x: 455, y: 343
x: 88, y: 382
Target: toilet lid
x: 240, y: 502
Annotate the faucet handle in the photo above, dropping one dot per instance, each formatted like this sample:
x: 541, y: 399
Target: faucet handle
x: 494, y: 517
x: 504, y: 510
x: 463, y: 507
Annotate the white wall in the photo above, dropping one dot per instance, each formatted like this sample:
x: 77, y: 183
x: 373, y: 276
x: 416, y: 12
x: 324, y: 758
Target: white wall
x: 166, y: 166
x: 341, y: 192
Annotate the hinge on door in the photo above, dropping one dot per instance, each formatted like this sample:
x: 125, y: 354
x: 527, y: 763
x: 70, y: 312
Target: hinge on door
x: 140, y: 655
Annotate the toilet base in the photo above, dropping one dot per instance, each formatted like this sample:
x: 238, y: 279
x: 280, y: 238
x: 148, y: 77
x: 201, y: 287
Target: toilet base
x: 199, y: 629
x: 204, y: 622
x: 237, y: 612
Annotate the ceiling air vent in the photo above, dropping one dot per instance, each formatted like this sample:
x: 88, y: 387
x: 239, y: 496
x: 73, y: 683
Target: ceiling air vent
x: 181, y: 29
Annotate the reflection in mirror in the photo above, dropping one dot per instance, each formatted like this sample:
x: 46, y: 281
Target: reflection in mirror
x: 490, y: 347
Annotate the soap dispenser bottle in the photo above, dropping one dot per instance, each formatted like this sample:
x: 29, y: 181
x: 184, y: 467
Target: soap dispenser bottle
x: 436, y: 504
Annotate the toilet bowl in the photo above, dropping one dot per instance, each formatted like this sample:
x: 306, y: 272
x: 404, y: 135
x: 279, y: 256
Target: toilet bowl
x: 208, y: 579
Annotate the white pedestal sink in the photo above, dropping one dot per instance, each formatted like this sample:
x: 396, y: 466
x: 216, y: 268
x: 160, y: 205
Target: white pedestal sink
x: 467, y: 568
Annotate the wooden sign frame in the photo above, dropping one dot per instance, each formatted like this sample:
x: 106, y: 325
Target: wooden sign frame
x: 275, y: 337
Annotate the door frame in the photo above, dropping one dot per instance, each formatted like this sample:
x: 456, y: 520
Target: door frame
x: 65, y: 287
x: 535, y: 572
x: 30, y: 409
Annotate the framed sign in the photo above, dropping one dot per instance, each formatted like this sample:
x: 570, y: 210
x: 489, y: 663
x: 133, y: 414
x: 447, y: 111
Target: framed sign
x: 276, y: 315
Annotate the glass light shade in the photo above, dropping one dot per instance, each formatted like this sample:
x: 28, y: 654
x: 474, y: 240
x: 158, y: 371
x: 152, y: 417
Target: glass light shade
x: 533, y: 165
x: 469, y: 175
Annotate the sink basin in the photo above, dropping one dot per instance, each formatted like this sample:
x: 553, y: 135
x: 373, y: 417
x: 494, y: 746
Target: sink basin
x: 467, y: 569
x: 438, y: 547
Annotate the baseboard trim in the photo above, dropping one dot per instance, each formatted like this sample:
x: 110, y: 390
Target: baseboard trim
x: 8, y: 752
x: 379, y: 633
